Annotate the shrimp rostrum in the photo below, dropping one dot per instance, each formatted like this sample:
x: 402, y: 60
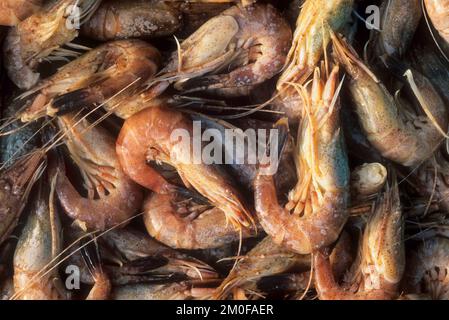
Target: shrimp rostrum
x: 316, y: 210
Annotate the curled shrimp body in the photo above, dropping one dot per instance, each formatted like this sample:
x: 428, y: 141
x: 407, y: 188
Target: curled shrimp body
x: 38, y: 245
x: 201, y: 227
x: 317, y: 207
x: 251, y: 43
x: 111, y: 196
x: 100, y: 74
x: 438, y: 11
x: 15, y: 186
x: 427, y: 271
x: 403, y: 137
x: 377, y: 272
x: 14, y: 11
x: 400, y: 19
x: 147, y: 136
x: 132, y: 19
x: 39, y: 37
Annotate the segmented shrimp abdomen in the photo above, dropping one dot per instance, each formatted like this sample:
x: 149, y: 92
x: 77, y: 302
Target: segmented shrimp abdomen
x: 132, y: 19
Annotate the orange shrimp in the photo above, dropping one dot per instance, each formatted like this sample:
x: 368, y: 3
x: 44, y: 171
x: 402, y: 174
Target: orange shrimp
x: 146, y: 136
x: 112, y: 196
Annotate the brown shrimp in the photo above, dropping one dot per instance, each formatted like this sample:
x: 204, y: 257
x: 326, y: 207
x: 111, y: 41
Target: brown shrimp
x: 133, y: 245
x: 427, y: 269
x: 179, y: 222
x: 40, y: 37
x: 398, y: 135
x: 132, y: 19
x: 15, y: 186
x: 100, y: 74
x: 269, y: 263
x: 438, y: 11
x: 14, y: 11
x: 102, y: 286
x: 147, y: 136
x: 251, y: 43
x: 35, y: 273
x: 265, y: 259
x: 399, y: 21
x: 112, y: 197
x: 377, y: 272
x: 317, y: 207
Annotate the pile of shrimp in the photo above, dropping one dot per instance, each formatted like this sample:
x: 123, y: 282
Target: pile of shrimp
x: 106, y: 104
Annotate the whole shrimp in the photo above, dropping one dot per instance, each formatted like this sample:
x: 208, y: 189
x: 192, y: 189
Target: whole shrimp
x: 231, y: 53
x: 316, y: 210
x: 100, y: 74
x: 427, y: 271
x: 180, y: 222
x: 35, y: 273
x: 133, y: 19
x: 397, y: 134
x: 438, y: 11
x: 14, y: 11
x: 112, y: 197
x: 377, y: 272
x: 41, y: 36
x: 15, y: 186
x: 399, y: 21
x: 146, y: 136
